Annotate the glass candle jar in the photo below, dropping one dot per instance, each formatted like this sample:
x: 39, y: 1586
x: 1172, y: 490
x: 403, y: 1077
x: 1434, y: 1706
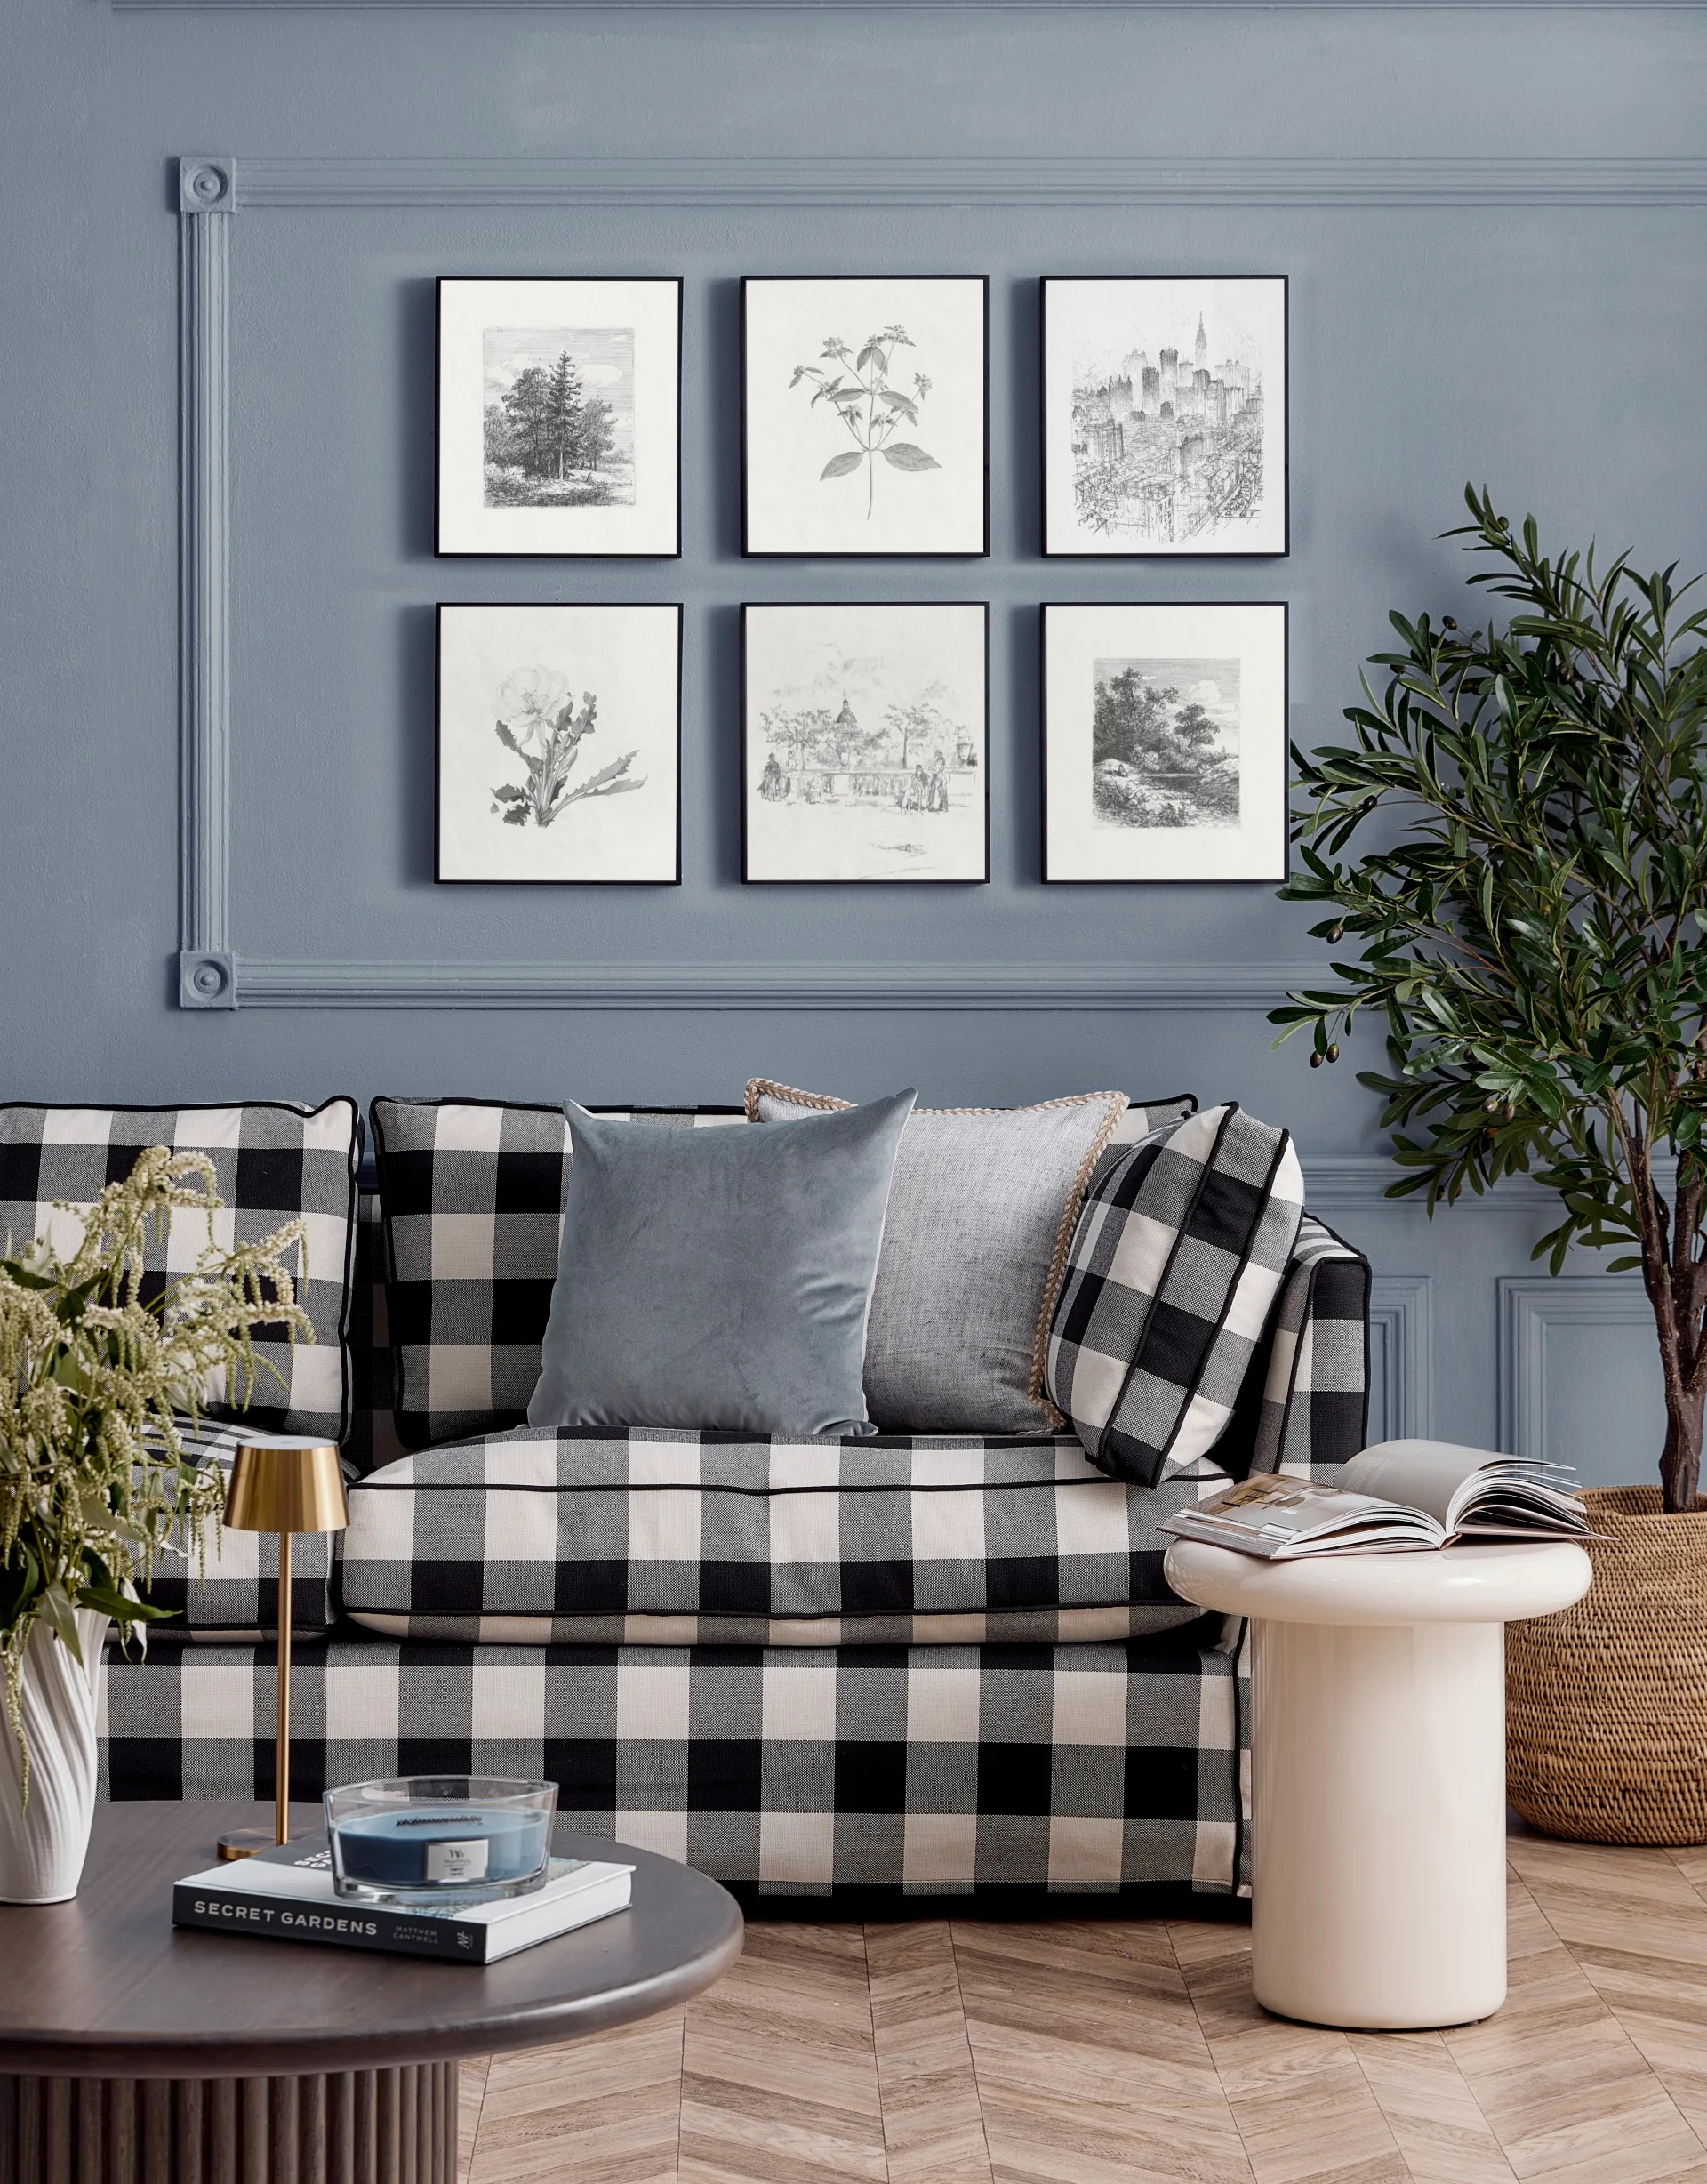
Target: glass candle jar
x: 440, y: 1839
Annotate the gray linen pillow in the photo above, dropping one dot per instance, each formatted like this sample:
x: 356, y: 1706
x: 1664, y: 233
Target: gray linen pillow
x: 980, y: 1215
x: 719, y: 1278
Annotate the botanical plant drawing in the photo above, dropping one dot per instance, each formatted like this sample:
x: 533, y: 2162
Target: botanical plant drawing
x: 857, y: 389
x: 546, y: 736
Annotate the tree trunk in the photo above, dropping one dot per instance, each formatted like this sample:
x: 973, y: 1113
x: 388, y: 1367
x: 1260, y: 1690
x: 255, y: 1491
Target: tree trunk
x: 1680, y: 1459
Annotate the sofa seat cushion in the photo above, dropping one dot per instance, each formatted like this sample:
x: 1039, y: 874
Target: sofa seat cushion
x: 273, y: 1162
x: 655, y: 1537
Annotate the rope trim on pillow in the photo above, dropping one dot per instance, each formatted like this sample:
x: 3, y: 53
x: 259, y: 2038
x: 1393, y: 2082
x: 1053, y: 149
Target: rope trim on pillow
x: 761, y: 1087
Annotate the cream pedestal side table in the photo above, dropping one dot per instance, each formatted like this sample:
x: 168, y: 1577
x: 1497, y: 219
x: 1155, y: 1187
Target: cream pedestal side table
x: 1378, y: 1723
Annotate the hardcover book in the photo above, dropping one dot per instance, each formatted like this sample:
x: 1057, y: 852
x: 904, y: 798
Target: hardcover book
x: 286, y: 1894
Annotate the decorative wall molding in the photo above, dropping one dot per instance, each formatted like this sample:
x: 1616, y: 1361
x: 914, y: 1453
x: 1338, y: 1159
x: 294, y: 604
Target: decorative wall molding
x: 212, y: 975
x: 1401, y: 1356
x: 958, y: 179
x: 1062, y: 986
x: 1587, y: 7
x: 1531, y: 1306
x: 206, y: 973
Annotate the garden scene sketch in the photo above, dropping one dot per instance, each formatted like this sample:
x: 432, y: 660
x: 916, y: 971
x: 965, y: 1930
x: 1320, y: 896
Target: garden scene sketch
x: 559, y: 409
x: 865, y: 762
x: 1164, y: 743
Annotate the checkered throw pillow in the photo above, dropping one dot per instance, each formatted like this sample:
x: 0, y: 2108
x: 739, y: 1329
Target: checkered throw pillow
x: 472, y: 1194
x: 1172, y: 1275
x: 273, y: 1161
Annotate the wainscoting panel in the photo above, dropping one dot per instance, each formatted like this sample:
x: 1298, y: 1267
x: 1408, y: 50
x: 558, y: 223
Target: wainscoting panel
x: 1579, y: 1376
x: 1401, y: 1357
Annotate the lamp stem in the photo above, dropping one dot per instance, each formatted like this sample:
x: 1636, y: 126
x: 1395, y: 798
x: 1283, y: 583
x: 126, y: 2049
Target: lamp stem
x: 282, y: 1822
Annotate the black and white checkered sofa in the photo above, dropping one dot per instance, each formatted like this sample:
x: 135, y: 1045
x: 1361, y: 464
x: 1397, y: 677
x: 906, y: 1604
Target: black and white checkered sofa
x: 874, y: 1671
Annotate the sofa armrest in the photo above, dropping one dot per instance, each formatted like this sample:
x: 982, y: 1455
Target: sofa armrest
x: 1315, y: 1405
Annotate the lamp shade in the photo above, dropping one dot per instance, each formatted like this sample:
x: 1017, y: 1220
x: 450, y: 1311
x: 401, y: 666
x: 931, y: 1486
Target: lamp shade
x: 286, y: 1487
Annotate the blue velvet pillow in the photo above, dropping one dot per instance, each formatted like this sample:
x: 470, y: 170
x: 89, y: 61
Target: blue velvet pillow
x: 719, y: 1278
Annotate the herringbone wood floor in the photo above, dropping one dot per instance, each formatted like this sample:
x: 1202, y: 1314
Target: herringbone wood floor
x: 1104, y: 2053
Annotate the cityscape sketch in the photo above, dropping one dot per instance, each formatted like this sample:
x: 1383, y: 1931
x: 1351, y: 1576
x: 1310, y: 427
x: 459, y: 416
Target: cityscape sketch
x: 1168, y: 418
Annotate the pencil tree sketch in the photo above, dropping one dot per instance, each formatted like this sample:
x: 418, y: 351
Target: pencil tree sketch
x: 545, y: 729
x: 1164, y: 743
x: 856, y: 389
x: 1168, y: 435
x: 559, y: 417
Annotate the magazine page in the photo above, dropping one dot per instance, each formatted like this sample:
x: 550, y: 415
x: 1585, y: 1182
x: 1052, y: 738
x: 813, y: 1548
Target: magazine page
x: 1422, y: 1474
x: 1472, y: 1492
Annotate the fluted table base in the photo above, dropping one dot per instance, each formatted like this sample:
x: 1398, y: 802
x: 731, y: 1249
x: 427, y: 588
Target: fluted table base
x: 395, y: 2126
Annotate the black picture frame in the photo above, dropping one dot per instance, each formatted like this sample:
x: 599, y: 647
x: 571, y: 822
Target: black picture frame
x: 445, y: 281
x: 443, y: 606
x: 791, y: 553
x: 1163, y: 553
x: 1281, y: 816
x: 752, y: 606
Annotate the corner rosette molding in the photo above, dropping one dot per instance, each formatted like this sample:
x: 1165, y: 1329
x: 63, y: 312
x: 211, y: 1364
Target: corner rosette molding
x: 212, y: 975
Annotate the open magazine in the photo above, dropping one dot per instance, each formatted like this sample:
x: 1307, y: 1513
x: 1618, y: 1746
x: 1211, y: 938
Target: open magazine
x: 1398, y: 1497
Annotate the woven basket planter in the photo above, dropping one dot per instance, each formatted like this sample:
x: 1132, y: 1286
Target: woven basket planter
x: 1606, y: 1703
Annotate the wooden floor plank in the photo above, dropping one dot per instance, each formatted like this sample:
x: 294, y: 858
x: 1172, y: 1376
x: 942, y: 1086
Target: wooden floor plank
x: 605, y: 2110
x: 1090, y: 2065
x: 1303, y: 2107
x: 779, y: 2066
x: 932, y: 2127
x: 471, y: 2090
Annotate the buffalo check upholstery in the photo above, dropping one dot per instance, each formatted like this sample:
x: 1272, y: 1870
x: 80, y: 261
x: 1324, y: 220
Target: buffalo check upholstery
x: 1174, y: 1270
x: 273, y: 1162
x: 996, y: 1772
x: 472, y: 1195
x: 231, y: 1589
x: 714, y: 1539
x: 991, y: 1771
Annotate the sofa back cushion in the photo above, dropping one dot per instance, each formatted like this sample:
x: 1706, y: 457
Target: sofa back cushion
x: 982, y: 1207
x: 683, y: 1538
x: 273, y: 1162
x: 471, y: 1194
x: 1172, y: 1276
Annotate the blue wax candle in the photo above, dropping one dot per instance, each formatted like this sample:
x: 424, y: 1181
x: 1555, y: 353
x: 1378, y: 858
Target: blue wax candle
x: 441, y: 1846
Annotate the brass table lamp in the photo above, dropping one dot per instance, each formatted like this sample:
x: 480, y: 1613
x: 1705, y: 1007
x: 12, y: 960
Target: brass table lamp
x: 281, y: 1486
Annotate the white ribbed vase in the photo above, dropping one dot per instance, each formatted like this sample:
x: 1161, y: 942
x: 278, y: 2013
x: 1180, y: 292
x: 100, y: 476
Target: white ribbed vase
x: 43, y: 1844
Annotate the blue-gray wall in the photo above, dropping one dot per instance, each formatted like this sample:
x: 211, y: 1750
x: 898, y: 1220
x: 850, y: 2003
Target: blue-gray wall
x: 1492, y: 219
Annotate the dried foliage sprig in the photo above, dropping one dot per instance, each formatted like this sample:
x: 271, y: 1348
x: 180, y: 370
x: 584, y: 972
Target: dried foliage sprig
x: 96, y: 1380
x: 1529, y: 917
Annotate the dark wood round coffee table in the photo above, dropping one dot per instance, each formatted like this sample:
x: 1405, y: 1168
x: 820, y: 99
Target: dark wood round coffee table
x: 143, y: 2052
